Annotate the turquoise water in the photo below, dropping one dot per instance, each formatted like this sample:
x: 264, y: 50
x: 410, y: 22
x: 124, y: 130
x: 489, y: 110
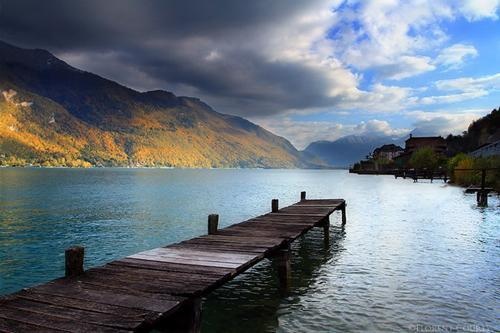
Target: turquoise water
x: 413, y: 257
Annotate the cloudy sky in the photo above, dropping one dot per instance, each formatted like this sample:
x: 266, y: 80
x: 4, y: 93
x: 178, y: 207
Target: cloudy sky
x: 308, y: 70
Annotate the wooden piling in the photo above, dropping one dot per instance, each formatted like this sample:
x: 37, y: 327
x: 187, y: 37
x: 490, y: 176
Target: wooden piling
x: 326, y: 230
x: 302, y: 195
x: 74, y: 261
x: 482, y: 198
x: 482, y: 194
x: 344, y: 217
x: 284, y: 268
x: 274, y: 205
x: 213, y: 223
x: 187, y: 318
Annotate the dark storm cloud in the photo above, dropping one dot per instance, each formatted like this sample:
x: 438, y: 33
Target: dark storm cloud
x: 208, y: 48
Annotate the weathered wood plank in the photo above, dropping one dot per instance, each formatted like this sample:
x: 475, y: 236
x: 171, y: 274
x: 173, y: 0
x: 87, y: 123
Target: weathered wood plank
x: 184, y: 261
x: 74, y: 289
x: 14, y: 326
x: 193, y: 254
x: 67, y: 324
x: 170, y: 267
x: 83, y: 316
x: 83, y: 304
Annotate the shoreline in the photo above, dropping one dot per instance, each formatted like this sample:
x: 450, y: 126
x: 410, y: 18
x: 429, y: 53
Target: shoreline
x: 161, y: 167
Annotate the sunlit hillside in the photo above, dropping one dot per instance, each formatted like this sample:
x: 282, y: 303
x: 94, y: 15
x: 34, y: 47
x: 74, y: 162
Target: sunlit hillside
x: 54, y: 114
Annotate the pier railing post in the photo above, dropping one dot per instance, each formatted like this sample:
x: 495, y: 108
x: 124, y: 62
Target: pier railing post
x: 213, y: 223
x: 74, y: 261
x: 274, y: 205
x: 302, y: 195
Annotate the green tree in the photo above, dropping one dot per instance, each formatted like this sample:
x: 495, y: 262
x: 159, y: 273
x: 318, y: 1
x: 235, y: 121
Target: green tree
x: 424, y: 158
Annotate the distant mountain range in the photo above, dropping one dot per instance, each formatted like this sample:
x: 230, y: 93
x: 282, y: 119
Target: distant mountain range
x: 54, y: 114
x: 349, y: 149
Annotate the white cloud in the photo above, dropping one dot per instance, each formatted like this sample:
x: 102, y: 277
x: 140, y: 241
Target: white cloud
x: 302, y: 133
x: 379, y: 98
x: 407, y: 66
x: 470, y: 84
x: 478, y: 9
x: 459, y: 90
x: 444, y: 122
x: 454, y: 56
x: 396, y: 38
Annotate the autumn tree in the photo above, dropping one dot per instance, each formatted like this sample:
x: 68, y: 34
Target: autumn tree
x: 424, y: 158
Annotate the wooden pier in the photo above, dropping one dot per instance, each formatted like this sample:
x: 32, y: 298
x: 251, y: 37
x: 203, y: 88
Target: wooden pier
x: 416, y: 174
x: 161, y: 289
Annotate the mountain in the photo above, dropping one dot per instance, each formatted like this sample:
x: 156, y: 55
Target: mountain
x: 349, y: 149
x: 54, y: 114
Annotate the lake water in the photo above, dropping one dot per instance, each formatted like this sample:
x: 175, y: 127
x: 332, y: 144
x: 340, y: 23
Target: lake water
x: 412, y: 258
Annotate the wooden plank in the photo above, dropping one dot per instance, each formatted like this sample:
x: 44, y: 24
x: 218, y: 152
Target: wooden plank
x: 229, y: 244
x: 162, y: 304
x: 322, y: 201
x: 298, y: 214
x: 139, y: 288
x: 223, y: 248
x: 82, y: 316
x: 50, y: 321
x: 155, y: 276
x: 84, y: 304
x: 14, y: 326
x: 170, y: 267
x: 260, y: 241
x: 184, y: 261
x: 194, y: 254
x: 149, y: 273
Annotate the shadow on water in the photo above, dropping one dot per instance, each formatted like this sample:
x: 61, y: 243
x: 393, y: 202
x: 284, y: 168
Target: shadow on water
x: 253, y: 302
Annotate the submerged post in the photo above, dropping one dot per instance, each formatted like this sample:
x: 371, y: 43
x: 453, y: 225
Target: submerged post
x: 74, y: 261
x: 284, y: 268
x: 302, y: 195
x: 482, y: 194
x: 344, y: 217
x: 186, y: 319
x: 326, y: 230
x: 213, y: 223
x: 274, y: 205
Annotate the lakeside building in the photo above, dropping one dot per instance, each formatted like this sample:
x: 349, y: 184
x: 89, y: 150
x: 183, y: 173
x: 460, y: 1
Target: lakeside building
x: 390, y: 156
x: 387, y: 152
x: 489, y: 149
x: 437, y: 143
x: 413, y: 143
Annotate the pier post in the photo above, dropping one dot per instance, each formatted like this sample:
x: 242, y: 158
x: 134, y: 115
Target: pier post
x: 74, y: 261
x: 482, y: 194
x: 274, y: 205
x: 344, y: 217
x: 284, y: 268
x: 186, y: 319
x: 213, y: 223
x: 326, y: 230
x: 482, y: 198
x: 302, y: 195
